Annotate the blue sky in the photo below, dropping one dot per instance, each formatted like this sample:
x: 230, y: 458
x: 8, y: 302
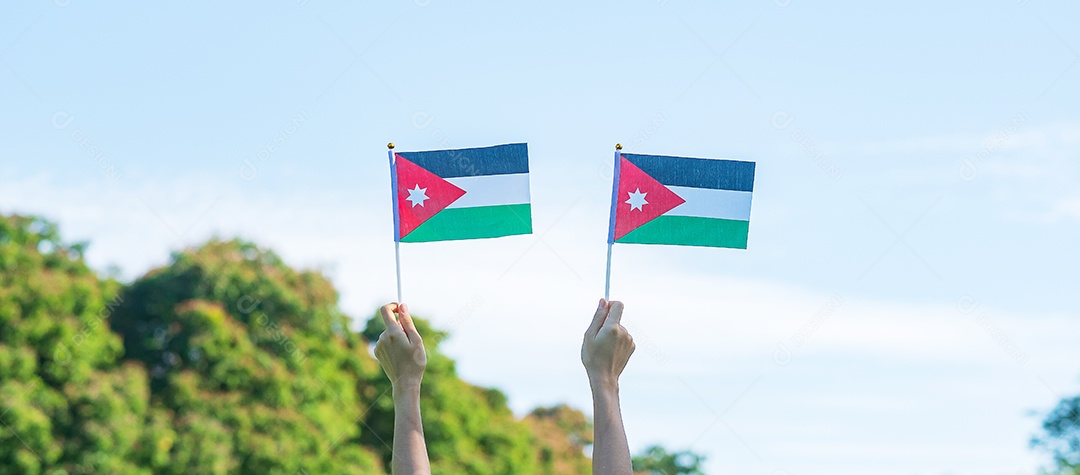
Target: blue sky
x: 908, y: 297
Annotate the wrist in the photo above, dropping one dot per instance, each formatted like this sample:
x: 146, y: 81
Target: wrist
x: 406, y: 389
x: 604, y: 383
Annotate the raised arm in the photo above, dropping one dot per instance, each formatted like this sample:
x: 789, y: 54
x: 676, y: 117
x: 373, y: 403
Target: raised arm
x: 605, y: 351
x: 401, y: 353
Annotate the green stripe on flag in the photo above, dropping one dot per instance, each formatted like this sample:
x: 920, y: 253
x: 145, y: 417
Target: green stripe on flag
x: 474, y: 223
x: 690, y: 231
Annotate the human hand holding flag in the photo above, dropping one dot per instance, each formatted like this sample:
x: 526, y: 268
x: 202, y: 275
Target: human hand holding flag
x: 606, y: 349
x: 400, y: 349
x: 607, y: 345
x: 400, y: 352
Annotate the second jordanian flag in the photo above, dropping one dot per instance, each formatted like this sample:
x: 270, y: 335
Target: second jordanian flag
x: 681, y: 201
x: 469, y: 193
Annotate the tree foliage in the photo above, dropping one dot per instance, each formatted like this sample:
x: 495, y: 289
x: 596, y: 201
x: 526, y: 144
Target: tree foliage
x: 1061, y: 436
x: 564, y: 433
x: 226, y: 361
x: 656, y: 460
x: 70, y: 404
x: 253, y: 361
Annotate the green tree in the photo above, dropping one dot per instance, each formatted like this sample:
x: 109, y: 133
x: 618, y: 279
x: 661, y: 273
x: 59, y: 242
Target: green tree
x: 1061, y: 436
x: 562, y: 434
x: 69, y: 404
x: 227, y: 361
x: 254, y: 361
x: 656, y: 460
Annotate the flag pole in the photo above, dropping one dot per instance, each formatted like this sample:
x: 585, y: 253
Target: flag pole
x: 611, y: 223
x: 607, y: 280
x: 397, y: 226
x: 397, y: 264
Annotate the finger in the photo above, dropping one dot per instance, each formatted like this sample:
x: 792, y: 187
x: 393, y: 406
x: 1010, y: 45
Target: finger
x: 614, y: 315
x: 407, y: 323
x: 380, y: 345
x: 598, y: 317
x: 385, y: 338
x: 387, y: 312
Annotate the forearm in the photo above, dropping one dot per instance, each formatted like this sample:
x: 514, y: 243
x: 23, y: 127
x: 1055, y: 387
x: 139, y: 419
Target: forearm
x: 611, y: 452
x: 410, y: 451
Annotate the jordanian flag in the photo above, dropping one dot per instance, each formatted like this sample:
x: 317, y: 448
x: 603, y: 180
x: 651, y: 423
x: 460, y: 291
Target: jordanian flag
x: 681, y: 201
x: 470, y: 193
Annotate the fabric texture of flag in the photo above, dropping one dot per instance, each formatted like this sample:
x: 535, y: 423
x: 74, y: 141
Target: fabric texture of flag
x: 471, y: 193
x: 681, y: 201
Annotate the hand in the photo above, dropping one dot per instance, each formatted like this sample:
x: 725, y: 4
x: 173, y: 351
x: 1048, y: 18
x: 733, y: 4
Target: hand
x: 400, y: 350
x: 607, y: 346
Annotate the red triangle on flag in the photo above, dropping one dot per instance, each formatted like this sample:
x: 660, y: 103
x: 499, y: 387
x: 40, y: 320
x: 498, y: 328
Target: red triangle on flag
x: 640, y: 199
x: 420, y: 195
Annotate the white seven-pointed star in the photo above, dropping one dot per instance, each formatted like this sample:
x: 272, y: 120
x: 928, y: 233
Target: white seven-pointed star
x: 417, y: 195
x: 637, y: 198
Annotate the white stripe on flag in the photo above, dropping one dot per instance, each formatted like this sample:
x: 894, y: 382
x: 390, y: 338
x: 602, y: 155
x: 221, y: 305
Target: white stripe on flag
x: 710, y: 203
x: 492, y: 190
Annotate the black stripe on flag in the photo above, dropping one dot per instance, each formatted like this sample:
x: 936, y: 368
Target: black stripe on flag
x: 697, y: 172
x: 495, y: 160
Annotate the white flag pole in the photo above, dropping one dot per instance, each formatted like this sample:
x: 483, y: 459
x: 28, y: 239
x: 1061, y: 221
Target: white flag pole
x: 397, y: 219
x: 611, y: 223
x: 397, y: 264
x: 607, y: 280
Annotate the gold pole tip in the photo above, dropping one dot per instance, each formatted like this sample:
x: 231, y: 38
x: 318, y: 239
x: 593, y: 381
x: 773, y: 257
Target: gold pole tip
x: 618, y: 146
x: 390, y: 145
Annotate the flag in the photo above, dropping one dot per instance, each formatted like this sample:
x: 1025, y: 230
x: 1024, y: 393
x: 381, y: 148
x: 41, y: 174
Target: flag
x: 470, y: 193
x: 681, y: 201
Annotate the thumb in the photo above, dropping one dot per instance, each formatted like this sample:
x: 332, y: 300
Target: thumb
x: 407, y: 323
x: 387, y: 312
x: 598, y: 318
x: 614, y: 316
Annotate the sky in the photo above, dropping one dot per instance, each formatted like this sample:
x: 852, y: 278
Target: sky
x: 907, y: 303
